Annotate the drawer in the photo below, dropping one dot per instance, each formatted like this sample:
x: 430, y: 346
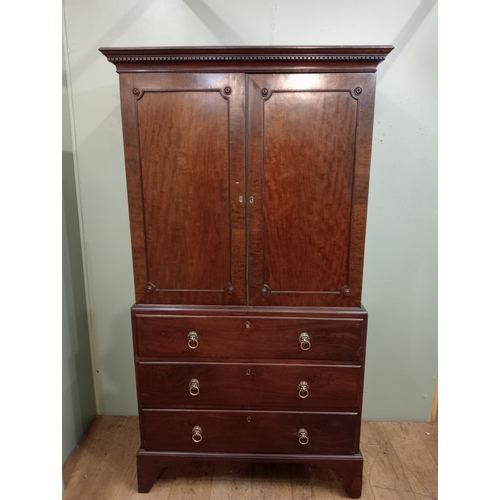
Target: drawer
x: 249, y: 337
x: 249, y: 385
x: 249, y: 431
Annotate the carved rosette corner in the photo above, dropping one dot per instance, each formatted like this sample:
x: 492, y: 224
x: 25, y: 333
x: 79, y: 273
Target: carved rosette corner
x: 226, y: 91
x: 356, y: 92
x: 266, y: 93
x: 150, y: 288
x: 229, y: 289
x: 346, y: 291
x: 265, y: 290
x: 138, y: 93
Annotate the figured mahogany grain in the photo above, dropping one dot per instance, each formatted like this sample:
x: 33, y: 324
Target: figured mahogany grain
x: 185, y: 173
x: 249, y: 385
x: 307, y: 174
x: 308, y: 170
x: 306, y: 166
x: 249, y: 337
x: 184, y: 152
x: 249, y: 431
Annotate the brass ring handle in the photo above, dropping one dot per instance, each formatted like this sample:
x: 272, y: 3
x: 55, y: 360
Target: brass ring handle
x: 305, y: 341
x: 197, y: 434
x: 194, y: 387
x: 303, y: 389
x: 303, y: 439
x: 193, y: 340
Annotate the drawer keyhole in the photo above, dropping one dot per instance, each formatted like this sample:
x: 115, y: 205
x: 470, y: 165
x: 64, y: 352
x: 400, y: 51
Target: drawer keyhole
x: 248, y: 371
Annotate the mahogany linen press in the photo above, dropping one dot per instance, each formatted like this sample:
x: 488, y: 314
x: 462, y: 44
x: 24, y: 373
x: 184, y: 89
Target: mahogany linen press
x: 247, y: 175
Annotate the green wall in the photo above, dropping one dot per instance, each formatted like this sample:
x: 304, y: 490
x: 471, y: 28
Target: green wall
x: 78, y: 398
x: 400, y: 287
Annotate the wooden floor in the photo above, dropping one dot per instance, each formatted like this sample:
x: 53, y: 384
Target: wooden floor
x: 400, y: 464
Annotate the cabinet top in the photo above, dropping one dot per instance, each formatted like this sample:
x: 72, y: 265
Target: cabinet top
x: 340, y: 58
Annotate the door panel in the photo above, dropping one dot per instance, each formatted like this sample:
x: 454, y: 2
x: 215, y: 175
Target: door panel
x: 308, y: 157
x: 185, y: 169
x: 305, y: 168
x: 190, y: 230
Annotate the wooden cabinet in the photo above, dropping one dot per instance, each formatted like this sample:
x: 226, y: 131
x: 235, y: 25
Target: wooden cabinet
x: 247, y: 175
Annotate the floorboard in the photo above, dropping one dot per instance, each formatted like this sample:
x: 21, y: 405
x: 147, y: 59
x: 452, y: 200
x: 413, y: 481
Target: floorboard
x: 400, y: 464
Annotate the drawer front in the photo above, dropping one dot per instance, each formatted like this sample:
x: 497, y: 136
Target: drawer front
x: 248, y: 337
x: 249, y: 431
x: 249, y: 385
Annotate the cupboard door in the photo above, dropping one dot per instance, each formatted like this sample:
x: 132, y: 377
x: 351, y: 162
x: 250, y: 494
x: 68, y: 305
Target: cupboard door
x: 184, y: 151
x: 309, y: 156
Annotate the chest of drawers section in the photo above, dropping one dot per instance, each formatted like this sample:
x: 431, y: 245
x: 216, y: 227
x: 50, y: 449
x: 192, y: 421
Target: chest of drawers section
x: 249, y: 384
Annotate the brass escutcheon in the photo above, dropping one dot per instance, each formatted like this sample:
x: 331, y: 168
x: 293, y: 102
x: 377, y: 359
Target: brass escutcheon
x: 303, y: 389
x: 193, y: 340
x: 303, y: 439
x: 197, y: 437
x: 305, y: 341
x: 194, y: 387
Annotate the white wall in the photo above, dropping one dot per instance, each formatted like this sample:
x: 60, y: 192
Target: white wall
x: 400, y: 288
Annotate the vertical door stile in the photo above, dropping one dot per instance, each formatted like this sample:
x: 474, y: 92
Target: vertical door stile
x: 237, y: 160
x: 247, y: 196
x: 255, y: 110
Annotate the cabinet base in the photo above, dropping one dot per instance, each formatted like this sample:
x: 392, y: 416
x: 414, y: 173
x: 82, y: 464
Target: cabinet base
x: 349, y: 468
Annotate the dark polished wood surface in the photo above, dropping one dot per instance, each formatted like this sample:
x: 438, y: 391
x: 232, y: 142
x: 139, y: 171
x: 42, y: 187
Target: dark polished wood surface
x: 249, y: 385
x: 184, y: 152
x: 249, y: 431
x: 289, y: 59
x: 305, y: 165
x: 308, y: 159
x: 247, y: 177
x: 305, y: 206
x: 186, y: 195
x: 249, y: 337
